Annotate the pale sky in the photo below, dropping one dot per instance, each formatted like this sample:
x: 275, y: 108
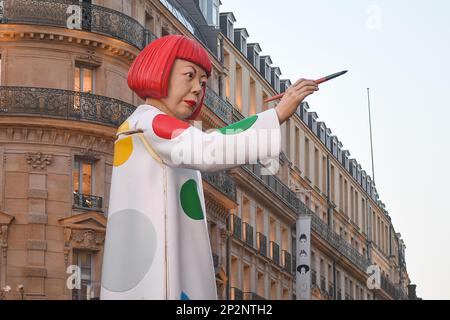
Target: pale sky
x: 401, y: 50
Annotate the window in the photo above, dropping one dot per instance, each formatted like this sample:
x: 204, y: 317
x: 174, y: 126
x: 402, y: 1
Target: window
x: 297, y: 147
x: 260, y: 285
x: 332, y: 188
x: 352, y: 204
x: 256, y: 60
x: 83, y: 182
x: 1, y: 54
x: 227, y: 79
x: 267, y: 66
x: 341, y: 192
x: 84, y: 79
x: 364, y: 217
x: 273, y: 290
x: 324, y: 174
x: 244, y: 45
x: 230, y: 30
x: 252, y: 110
x: 346, y: 198
x: 82, y: 176
x: 83, y: 259
x: 307, y: 172
x: 149, y: 23
x: 238, y: 87
x: 386, y: 241
x: 210, y: 10
x: 316, y: 167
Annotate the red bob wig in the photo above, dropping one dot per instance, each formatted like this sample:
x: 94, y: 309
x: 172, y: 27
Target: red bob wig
x: 150, y: 72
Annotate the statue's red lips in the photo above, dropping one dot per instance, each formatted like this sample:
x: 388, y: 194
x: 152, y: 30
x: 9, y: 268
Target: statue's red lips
x: 192, y: 103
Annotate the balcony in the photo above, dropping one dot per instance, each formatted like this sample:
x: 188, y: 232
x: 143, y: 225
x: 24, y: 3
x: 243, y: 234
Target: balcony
x: 248, y: 234
x: 87, y: 202
x: 338, y: 243
x: 222, y: 108
x: 252, y: 296
x: 275, y: 252
x: 289, y: 198
x: 393, y: 290
x: 63, y: 104
x: 261, y: 244
x: 222, y: 181
x: 236, y: 294
x: 235, y: 225
x: 286, y: 258
x: 94, y: 18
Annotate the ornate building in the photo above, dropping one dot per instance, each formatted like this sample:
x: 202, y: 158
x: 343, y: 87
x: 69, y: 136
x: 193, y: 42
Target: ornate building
x: 63, y: 93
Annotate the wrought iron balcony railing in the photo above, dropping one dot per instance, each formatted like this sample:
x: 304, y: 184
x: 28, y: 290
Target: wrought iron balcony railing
x: 65, y: 104
x: 248, y: 234
x: 223, y: 182
x: 288, y: 197
x: 93, y: 18
x: 275, y: 252
x: 252, y: 296
x: 235, y: 226
x: 236, y: 294
x: 261, y: 244
x: 287, y: 264
x: 87, y: 201
x: 222, y: 108
x: 392, y: 290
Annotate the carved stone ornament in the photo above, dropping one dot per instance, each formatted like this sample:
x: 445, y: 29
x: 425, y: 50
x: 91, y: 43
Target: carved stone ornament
x: 88, y: 239
x: 39, y: 160
x: 89, y: 154
x: 89, y: 59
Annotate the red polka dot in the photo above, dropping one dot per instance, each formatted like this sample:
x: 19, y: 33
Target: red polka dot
x: 167, y: 127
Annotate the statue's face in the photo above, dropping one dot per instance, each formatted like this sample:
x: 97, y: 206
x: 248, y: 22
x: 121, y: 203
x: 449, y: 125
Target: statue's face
x: 185, y: 91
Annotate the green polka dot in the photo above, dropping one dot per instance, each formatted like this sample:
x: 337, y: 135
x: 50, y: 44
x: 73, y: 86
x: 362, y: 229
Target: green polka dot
x: 190, y: 200
x: 240, y: 126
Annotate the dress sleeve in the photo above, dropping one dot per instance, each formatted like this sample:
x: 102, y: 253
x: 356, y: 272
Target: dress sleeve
x: 178, y: 144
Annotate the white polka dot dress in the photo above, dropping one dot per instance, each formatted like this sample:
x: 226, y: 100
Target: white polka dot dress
x: 157, y: 244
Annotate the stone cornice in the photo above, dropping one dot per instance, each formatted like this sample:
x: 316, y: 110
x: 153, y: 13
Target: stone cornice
x: 12, y: 33
x: 49, y: 135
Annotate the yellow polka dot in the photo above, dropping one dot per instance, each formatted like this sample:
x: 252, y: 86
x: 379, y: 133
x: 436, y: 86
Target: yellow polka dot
x: 124, y: 127
x: 122, y: 151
